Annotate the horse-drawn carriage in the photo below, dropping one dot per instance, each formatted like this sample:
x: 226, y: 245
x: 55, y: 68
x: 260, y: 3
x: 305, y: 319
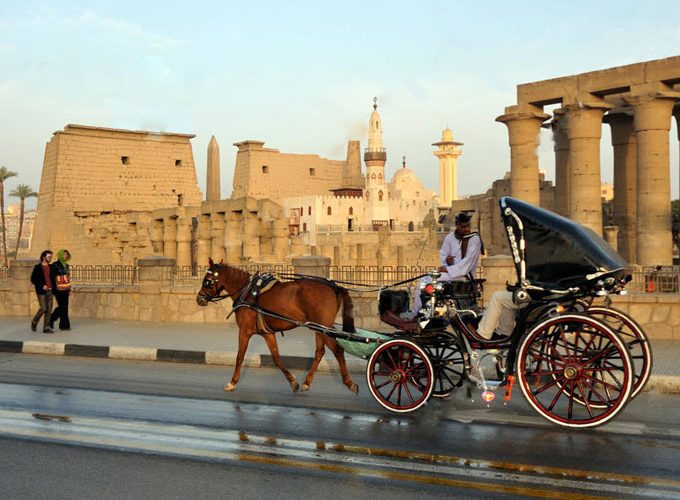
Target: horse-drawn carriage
x: 577, y: 364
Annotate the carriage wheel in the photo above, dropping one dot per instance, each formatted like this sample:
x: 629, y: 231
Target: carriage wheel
x: 448, y: 364
x: 567, y: 362
x: 400, y: 375
x: 635, y: 338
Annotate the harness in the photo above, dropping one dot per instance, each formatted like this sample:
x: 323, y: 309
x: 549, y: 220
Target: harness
x: 250, y: 297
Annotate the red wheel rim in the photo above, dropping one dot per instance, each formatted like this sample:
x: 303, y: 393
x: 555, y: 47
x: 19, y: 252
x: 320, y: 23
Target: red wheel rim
x: 399, y: 376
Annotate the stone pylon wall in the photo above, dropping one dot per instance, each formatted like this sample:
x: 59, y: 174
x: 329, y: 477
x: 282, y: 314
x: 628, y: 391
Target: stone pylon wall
x: 97, y: 183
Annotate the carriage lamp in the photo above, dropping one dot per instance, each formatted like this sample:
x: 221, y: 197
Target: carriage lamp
x: 488, y: 396
x: 429, y: 289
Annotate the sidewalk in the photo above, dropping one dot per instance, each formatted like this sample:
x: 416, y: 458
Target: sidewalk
x: 218, y: 344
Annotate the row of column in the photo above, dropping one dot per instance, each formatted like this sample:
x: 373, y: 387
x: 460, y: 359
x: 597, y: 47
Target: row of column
x: 642, y: 195
x: 235, y: 237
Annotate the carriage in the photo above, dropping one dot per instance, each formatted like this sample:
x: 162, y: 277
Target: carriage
x: 576, y: 363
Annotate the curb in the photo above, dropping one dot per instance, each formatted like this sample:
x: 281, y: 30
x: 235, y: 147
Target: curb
x: 667, y: 384
x: 126, y: 353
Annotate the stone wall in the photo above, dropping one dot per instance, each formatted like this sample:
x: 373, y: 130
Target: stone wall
x: 267, y: 173
x: 154, y: 298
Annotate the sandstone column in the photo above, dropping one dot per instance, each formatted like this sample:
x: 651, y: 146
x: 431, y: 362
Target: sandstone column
x: 561, y: 148
x: 611, y: 236
x: 170, y: 237
x: 184, y: 242
x: 232, y: 238
x: 251, y: 238
x: 652, y: 108
x: 584, y: 130
x: 156, y: 236
x: 217, y: 236
x: 524, y: 123
x: 204, y: 243
x: 625, y: 182
x: 212, y: 185
x: 280, y: 239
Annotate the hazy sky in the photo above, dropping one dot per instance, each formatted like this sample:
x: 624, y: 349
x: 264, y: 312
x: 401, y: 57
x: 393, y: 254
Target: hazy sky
x: 301, y: 75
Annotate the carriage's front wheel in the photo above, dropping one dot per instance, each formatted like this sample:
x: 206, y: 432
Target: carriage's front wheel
x: 567, y: 362
x: 400, y: 375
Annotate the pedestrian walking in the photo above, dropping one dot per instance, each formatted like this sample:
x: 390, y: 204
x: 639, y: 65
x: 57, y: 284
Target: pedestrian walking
x: 62, y: 289
x: 41, y: 277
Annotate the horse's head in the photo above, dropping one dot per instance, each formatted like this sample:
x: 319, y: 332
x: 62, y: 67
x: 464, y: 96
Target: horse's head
x: 211, y: 286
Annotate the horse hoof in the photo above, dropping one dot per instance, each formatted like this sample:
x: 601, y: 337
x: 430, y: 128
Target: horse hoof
x: 354, y: 388
x: 305, y: 387
x: 229, y: 387
x: 295, y: 386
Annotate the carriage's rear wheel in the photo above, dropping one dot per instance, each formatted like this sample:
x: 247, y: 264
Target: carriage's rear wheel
x: 566, y: 363
x: 635, y: 338
x: 448, y: 364
x: 400, y: 375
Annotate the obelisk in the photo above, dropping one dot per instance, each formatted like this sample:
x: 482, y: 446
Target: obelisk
x: 212, y: 185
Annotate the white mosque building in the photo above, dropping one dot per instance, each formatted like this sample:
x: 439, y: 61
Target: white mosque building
x: 400, y: 204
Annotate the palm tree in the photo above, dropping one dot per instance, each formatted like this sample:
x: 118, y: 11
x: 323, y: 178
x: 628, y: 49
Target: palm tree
x: 22, y: 191
x: 4, y: 175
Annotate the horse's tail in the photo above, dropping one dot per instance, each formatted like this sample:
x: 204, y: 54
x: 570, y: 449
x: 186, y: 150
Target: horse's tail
x: 347, y: 310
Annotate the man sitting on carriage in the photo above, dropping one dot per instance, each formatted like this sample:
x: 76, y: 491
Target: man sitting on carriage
x: 459, y: 256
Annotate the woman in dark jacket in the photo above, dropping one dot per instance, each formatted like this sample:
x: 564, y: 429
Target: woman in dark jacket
x: 62, y: 289
x: 42, y: 280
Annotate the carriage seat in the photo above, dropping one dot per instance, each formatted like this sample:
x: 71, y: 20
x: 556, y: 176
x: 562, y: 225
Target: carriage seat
x: 393, y: 319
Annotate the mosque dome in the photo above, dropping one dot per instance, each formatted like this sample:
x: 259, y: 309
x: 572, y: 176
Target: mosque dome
x: 407, y: 182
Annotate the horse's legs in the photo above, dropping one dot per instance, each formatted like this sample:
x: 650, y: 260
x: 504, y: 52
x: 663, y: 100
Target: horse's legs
x: 340, y: 356
x: 318, y: 354
x: 244, y: 335
x: 270, y: 339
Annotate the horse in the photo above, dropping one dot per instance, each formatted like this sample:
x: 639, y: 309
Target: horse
x: 308, y: 299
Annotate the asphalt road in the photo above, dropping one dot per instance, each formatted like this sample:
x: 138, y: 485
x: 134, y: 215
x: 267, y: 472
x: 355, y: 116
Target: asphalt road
x: 108, y: 415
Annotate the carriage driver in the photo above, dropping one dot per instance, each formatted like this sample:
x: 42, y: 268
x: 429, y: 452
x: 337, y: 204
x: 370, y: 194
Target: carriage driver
x: 459, y: 255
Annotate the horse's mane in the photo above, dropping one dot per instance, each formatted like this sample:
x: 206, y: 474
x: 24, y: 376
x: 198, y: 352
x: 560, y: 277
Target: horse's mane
x: 234, y: 273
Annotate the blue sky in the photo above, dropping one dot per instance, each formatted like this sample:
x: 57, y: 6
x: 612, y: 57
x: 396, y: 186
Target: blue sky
x: 301, y: 75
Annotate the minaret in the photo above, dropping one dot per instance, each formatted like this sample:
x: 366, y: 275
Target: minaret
x: 212, y: 184
x: 447, y: 153
x: 375, y: 157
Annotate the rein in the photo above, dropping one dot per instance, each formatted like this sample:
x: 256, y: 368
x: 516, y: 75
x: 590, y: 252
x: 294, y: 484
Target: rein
x: 364, y: 287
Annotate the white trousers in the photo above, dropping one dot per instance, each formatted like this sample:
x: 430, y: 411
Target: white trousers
x: 498, y: 316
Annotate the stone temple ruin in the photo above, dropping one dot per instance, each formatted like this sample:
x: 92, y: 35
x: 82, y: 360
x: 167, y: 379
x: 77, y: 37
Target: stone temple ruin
x: 114, y: 196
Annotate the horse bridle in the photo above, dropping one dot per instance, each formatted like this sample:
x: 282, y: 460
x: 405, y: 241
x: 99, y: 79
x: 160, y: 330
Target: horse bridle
x: 211, y: 279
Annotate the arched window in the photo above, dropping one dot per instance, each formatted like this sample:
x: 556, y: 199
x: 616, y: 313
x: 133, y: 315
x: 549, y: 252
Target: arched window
x: 379, y: 176
x: 410, y: 226
x: 372, y: 176
x: 309, y: 210
x: 329, y: 211
x: 380, y: 195
x: 351, y: 211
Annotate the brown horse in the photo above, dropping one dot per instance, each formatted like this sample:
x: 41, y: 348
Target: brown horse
x: 302, y: 300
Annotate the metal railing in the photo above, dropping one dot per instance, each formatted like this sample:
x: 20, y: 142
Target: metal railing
x: 193, y: 275
x: 376, y: 276
x: 104, y: 275
x: 656, y: 279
